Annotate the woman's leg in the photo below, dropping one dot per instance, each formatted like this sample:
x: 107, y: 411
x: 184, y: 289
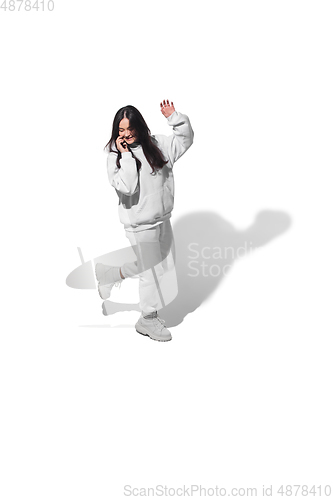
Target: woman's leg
x: 167, y: 245
x: 129, y: 269
x: 168, y: 282
x: 148, y: 266
x: 167, y: 250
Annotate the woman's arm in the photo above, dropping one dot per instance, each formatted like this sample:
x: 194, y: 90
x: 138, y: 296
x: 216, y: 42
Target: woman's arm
x: 174, y: 146
x: 124, y: 179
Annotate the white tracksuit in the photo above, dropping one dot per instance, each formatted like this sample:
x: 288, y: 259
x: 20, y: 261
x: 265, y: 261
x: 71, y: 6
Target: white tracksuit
x: 146, y: 201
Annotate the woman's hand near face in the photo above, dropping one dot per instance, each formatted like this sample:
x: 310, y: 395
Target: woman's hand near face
x: 166, y: 108
x: 120, y: 147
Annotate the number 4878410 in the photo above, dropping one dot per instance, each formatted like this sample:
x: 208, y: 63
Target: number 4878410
x: 17, y: 5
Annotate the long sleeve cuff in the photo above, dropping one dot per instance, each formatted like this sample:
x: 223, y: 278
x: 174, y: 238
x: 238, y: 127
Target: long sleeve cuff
x: 173, y: 118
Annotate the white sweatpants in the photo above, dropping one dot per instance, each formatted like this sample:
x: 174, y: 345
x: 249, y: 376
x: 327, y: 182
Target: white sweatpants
x: 155, y: 252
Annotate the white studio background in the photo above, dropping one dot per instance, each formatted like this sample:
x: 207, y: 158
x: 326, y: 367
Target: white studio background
x: 241, y: 396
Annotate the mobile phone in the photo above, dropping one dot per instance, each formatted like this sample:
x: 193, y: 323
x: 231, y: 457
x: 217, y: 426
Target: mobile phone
x: 124, y: 144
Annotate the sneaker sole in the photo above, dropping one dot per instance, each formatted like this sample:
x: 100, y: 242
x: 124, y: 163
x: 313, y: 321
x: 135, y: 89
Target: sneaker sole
x: 152, y: 336
x: 104, y: 297
x: 98, y: 273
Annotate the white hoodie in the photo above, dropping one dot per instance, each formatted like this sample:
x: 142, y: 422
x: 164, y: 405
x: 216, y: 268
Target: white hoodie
x: 145, y: 199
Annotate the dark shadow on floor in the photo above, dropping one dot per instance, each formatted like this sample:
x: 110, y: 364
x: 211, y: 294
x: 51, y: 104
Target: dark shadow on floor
x: 206, y: 248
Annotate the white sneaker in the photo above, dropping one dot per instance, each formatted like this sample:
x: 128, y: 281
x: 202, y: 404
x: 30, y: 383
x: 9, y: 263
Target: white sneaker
x: 153, y: 328
x: 107, y: 277
x: 105, y: 290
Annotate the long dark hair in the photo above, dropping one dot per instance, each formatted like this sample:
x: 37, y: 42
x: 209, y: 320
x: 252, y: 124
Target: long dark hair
x: 137, y: 122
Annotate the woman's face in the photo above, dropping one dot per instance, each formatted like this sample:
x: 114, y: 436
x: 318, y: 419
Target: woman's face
x: 126, y: 131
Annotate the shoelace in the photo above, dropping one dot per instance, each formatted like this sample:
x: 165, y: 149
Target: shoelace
x: 160, y: 322
x: 118, y: 283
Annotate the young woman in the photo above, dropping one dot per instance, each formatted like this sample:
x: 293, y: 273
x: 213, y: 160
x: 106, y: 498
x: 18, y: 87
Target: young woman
x: 140, y: 168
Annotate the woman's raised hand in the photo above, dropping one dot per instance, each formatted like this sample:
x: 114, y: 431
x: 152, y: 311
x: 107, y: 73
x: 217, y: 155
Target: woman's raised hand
x: 167, y: 108
x: 119, y: 145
